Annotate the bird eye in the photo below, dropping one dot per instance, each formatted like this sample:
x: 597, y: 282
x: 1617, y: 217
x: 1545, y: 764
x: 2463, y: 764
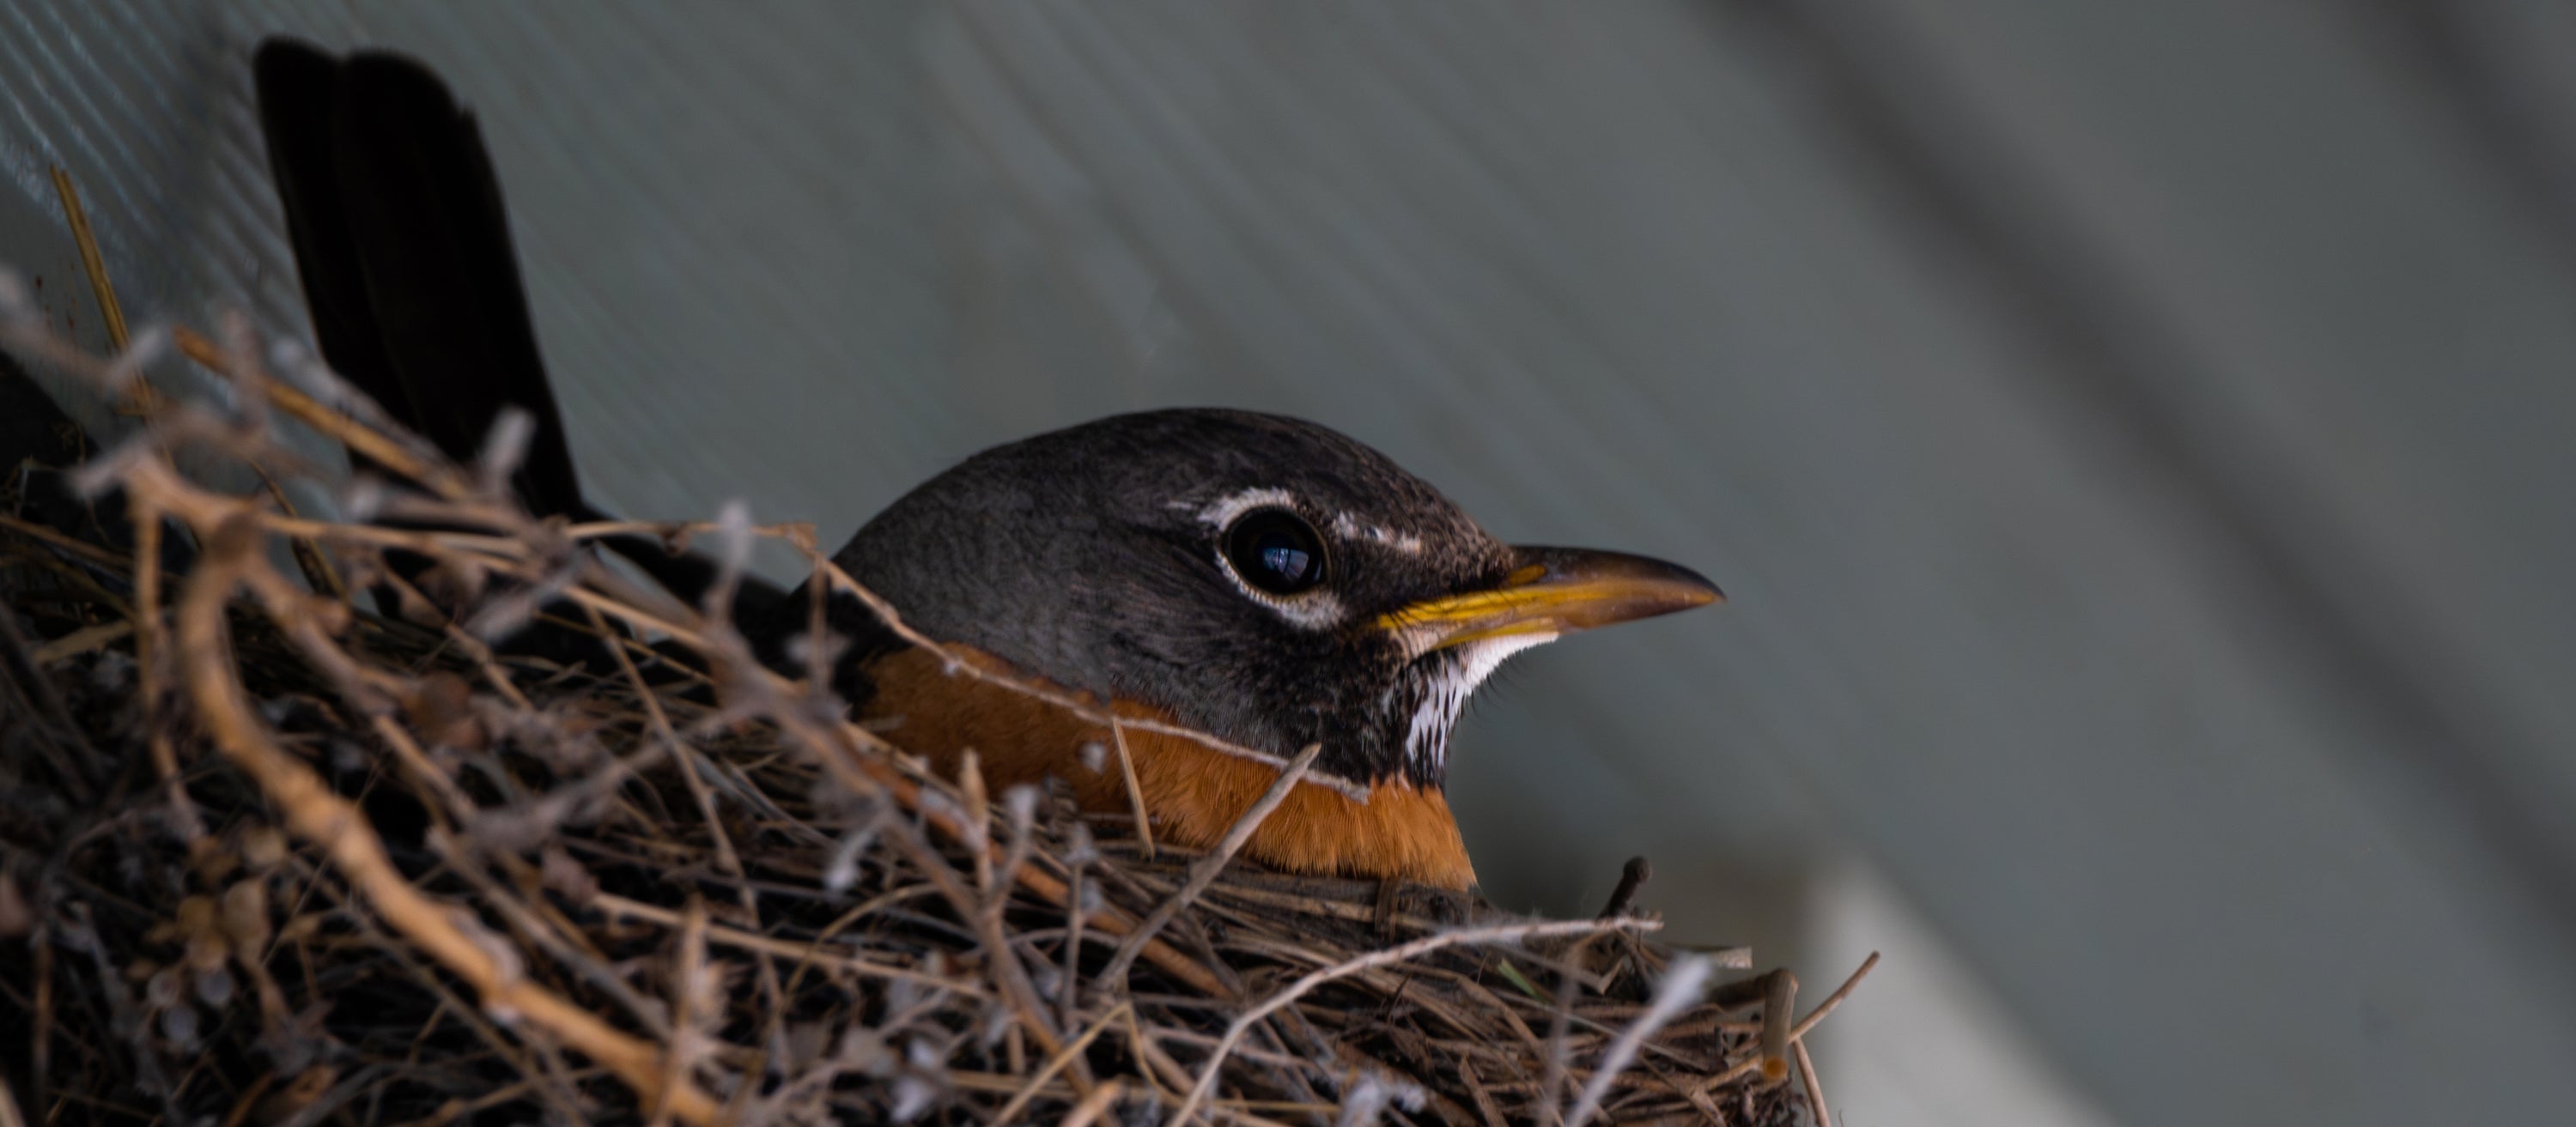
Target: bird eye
x: 1276, y: 552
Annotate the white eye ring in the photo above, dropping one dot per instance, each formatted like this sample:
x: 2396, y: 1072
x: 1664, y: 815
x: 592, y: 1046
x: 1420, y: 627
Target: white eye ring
x: 1277, y: 551
x: 1222, y: 511
x: 1313, y: 608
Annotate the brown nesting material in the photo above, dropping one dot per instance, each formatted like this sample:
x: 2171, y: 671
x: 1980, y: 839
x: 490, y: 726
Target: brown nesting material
x: 275, y: 860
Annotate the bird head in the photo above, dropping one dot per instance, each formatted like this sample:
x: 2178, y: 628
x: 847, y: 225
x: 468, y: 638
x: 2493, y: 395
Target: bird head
x: 1261, y: 578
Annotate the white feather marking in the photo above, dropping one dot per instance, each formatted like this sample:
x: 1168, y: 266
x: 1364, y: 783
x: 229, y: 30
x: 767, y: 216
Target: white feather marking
x: 1348, y: 527
x: 1426, y: 741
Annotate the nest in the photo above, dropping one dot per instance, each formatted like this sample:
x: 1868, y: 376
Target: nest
x: 272, y: 859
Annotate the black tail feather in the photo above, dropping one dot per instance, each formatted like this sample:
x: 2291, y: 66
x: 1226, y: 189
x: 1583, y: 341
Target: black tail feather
x: 406, y: 255
x: 404, y: 249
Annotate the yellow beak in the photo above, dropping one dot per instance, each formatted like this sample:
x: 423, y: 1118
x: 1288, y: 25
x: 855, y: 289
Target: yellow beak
x: 1553, y: 591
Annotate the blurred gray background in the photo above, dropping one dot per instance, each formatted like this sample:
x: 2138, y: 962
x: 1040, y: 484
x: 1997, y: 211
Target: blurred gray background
x: 2138, y: 439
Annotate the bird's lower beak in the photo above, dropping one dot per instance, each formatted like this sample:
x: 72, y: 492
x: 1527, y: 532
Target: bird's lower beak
x: 1553, y: 591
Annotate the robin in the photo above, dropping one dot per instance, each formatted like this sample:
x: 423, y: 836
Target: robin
x: 1261, y: 579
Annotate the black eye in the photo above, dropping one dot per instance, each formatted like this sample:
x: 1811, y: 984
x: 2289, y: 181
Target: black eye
x: 1274, y: 551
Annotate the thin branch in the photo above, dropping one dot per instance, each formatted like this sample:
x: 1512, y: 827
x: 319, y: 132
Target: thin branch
x: 144, y: 519
x: 1797, y: 1034
x: 1093, y: 1106
x: 1681, y: 988
x: 1779, y: 1000
x: 442, y: 479
x: 1815, y: 1085
x: 1834, y: 999
x: 1632, y: 876
x: 1057, y: 1063
x: 110, y: 311
x: 1135, y: 790
x: 1203, y: 871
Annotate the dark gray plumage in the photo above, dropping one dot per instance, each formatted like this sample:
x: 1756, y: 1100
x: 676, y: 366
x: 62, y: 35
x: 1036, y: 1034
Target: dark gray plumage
x: 1092, y: 556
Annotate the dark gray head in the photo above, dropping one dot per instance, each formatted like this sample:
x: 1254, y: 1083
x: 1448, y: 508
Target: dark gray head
x: 1259, y: 577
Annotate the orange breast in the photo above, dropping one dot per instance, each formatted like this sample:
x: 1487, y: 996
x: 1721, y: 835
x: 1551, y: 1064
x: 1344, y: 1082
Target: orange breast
x: 1192, y: 793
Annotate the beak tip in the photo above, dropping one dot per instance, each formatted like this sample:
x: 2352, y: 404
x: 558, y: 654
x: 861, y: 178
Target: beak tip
x: 1702, y: 592
x: 1689, y: 590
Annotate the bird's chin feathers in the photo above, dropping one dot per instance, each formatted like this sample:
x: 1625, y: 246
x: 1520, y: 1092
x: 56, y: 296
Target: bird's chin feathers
x: 1418, y: 712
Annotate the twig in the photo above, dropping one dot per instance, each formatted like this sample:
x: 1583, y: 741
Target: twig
x: 1834, y: 999
x: 1551, y: 1079
x: 1498, y: 933
x: 1632, y: 876
x: 9, y: 1107
x: 444, y: 480
x: 148, y: 650
x: 1057, y: 1063
x: 1815, y: 1086
x: 1681, y: 988
x: 1135, y: 790
x: 1093, y: 1106
x: 1779, y: 998
x: 1078, y: 866
x: 619, y: 906
x: 90, y: 553
x: 688, y: 985
x: 238, y: 367
x: 1204, y: 870
x: 81, y: 641
x: 110, y: 312
x: 1485, y: 1106
x: 145, y: 519
x: 1797, y: 1034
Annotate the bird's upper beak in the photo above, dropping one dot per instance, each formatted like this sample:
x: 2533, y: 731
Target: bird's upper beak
x: 1553, y: 591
